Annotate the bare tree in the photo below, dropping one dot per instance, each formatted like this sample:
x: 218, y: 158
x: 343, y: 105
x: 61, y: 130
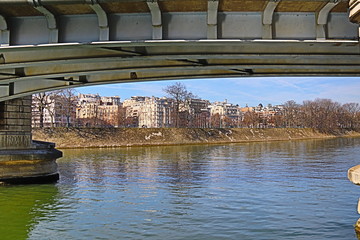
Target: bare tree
x: 251, y: 119
x: 227, y: 122
x: 291, y: 114
x: 277, y: 120
x: 180, y: 94
x: 67, y: 104
x: 42, y: 102
x: 215, y: 120
x: 121, y: 117
x: 322, y: 114
x: 351, y: 115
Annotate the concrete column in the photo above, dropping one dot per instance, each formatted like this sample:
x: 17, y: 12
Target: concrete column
x: 21, y: 159
x: 354, y: 15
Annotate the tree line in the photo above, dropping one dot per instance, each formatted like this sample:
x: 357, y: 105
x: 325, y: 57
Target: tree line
x: 325, y: 115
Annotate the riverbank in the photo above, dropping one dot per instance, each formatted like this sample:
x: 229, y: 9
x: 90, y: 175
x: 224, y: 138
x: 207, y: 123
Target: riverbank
x: 125, y: 137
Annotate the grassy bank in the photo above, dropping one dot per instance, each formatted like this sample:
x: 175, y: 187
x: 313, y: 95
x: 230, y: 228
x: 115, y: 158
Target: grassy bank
x: 121, y: 137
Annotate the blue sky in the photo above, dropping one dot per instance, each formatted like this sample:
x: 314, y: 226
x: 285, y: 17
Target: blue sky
x: 242, y: 91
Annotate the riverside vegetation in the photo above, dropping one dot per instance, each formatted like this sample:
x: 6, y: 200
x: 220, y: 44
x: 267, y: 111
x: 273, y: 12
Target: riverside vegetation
x: 124, y: 137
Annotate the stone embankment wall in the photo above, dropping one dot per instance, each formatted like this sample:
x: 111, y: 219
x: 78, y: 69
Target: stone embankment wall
x: 122, y: 137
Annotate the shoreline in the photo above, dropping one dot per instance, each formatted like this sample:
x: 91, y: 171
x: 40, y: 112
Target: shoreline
x: 79, y: 138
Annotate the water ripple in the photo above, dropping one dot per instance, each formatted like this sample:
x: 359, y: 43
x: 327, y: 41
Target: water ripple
x: 285, y: 190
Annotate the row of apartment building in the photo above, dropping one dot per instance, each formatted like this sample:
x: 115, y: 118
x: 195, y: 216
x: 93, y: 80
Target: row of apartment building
x: 83, y: 110
x: 139, y: 111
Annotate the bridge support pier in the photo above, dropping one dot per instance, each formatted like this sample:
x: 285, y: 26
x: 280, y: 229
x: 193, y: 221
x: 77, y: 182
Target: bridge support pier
x: 354, y: 172
x: 354, y: 177
x: 21, y: 159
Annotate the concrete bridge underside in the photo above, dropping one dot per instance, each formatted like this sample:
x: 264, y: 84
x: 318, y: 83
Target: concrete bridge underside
x: 33, y: 69
x: 53, y: 44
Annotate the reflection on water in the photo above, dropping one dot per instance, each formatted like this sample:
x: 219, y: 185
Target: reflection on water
x: 278, y: 190
x: 23, y: 207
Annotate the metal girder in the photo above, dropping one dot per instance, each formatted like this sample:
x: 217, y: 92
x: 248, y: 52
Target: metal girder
x: 72, y: 76
x: 168, y: 48
x: 354, y: 7
x: 354, y: 13
x: 295, y: 58
x: 69, y: 70
x: 240, y: 58
x: 155, y: 19
x: 322, y: 19
x: 32, y: 69
x: 50, y: 18
x: 212, y: 19
x: 267, y: 19
x: 102, y: 19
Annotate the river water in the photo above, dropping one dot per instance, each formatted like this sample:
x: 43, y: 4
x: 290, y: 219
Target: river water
x: 275, y: 190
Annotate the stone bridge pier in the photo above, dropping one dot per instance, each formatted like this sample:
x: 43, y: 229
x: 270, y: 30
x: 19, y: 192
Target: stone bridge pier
x: 21, y: 159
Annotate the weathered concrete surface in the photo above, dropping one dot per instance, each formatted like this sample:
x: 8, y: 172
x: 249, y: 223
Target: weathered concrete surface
x: 357, y: 228
x: 354, y: 177
x: 81, y: 42
x: 21, y: 159
x: 354, y: 174
x: 36, y: 164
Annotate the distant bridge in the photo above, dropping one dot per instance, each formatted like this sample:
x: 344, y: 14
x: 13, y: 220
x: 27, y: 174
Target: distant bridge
x: 52, y: 44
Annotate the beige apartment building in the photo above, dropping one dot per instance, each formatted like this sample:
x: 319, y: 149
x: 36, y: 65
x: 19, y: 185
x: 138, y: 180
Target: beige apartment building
x: 226, y: 110
x: 195, y: 113
x: 156, y: 113
x: 150, y: 112
x: 87, y: 106
x: 133, y: 106
x: 94, y: 110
